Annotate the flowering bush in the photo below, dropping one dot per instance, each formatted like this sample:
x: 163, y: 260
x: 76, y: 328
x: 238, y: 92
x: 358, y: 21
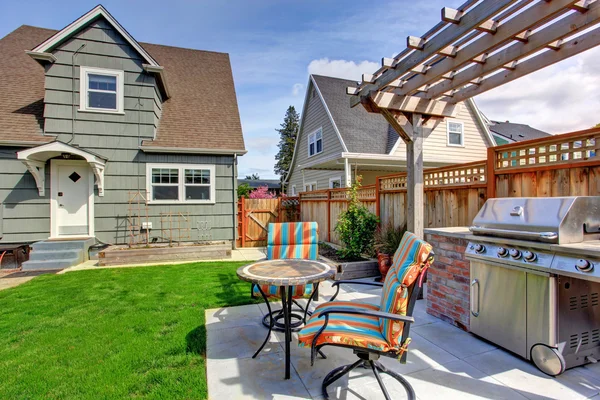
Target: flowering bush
x: 262, y: 192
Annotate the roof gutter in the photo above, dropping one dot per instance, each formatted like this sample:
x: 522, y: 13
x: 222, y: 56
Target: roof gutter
x: 41, y: 56
x: 183, y: 150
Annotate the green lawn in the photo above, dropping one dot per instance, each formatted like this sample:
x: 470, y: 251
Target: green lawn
x: 113, y: 333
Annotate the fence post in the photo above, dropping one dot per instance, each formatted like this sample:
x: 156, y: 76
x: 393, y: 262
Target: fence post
x: 243, y: 221
x: 490, y: 172
x: 377, y: 204
x: 329, y: 215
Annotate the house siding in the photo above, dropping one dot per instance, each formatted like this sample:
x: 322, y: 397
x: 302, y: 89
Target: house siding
x: 436, y: 149
x: 114, y: 137
x: 315, y: 116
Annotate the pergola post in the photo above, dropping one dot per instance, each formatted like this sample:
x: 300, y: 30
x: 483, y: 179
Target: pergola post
x: 414, y: 162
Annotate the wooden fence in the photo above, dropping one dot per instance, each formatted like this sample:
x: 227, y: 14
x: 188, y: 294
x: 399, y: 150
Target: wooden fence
x: 561, y: 165
x: 254, y: 216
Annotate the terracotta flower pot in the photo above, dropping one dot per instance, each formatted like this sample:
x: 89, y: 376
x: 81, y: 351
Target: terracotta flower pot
x: 384, y: 262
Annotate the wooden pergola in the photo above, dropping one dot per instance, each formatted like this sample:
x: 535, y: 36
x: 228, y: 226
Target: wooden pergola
x: 477, y: 47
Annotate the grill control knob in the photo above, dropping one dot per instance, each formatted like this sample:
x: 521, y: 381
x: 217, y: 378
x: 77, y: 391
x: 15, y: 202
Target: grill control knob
x: 502, y: 252
x: 529, y: 256
x: 514, y: 253
x: 479, y: 248
x: 584, y: 265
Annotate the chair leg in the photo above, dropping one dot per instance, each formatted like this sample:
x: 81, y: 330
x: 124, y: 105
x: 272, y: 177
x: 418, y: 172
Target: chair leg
x: 272, y: 322
x: 381, y: 385
x: 337, y: 374
x: 410, y: 392
x: 312, y: 296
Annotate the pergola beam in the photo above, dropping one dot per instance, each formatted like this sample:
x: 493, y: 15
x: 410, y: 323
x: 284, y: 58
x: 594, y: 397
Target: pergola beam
x: 568, y: 49
x: 550, y: 36
x: 471, y: 20
x: 413, y: 104
x: 533, y: 16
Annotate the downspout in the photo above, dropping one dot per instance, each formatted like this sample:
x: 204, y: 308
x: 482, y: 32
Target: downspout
x: 235, y: 208
x: 73, y: 93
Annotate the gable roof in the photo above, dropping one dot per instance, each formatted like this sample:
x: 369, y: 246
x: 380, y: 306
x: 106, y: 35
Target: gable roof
x: 361, y: 131
x: 516, y: 132
x: 272, y: 184
x: 201, y: 114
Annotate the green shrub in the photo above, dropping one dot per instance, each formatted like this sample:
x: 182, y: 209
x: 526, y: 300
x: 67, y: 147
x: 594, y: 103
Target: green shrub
x: 356, y: 226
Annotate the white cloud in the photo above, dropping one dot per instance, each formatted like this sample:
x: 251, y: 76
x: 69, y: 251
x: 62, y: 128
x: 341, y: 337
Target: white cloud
x: 561, y: 98
x: 341, y: 68
x: 297, y: 88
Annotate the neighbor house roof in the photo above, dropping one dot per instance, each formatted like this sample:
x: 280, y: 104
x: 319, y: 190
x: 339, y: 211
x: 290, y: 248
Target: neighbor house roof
x: 516, y: 132
x: 201, y: 113
x: 361, y: 131
x: 254, y: 183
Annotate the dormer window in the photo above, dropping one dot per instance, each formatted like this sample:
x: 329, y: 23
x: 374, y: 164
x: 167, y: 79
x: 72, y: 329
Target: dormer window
x: 101, y: 90
x: 315, y: 142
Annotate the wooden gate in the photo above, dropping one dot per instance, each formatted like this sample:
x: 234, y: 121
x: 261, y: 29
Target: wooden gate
x: 255, y: 215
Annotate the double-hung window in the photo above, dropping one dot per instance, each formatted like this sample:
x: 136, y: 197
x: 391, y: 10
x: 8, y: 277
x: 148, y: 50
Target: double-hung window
x: 189, y: 183
x: 101, y: 90
x: 455, y: 133
x: 315, y: 142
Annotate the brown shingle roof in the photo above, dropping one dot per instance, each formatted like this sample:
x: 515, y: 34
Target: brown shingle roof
x: 201, y: 113
x: 22, y: 87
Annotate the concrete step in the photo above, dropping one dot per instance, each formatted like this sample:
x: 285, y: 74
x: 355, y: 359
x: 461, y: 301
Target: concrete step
x: 48, y: 255
x: 51, y: 264
x: 83, y: 244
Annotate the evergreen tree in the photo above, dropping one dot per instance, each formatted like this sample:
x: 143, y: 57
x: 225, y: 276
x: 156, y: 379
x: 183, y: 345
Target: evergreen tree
x: 287, y: 140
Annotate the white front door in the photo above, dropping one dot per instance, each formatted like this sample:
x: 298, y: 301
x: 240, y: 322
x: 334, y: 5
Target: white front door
x: 72, y: 199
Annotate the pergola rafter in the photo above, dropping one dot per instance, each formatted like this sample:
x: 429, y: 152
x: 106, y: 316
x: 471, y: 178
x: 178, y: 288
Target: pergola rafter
x: 479, y: 46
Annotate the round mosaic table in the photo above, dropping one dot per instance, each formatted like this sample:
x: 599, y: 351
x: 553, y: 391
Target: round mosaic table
x: 285, y: 274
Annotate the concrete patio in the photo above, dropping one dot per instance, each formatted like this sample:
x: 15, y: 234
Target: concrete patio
x: 444, y: 362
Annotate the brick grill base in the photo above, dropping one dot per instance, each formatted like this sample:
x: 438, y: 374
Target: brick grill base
x: 448, y: 280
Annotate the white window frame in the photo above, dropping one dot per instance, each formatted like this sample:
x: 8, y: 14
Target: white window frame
x: 313, y: 136
x: 337, y: 178
x: 294, y: 193
x: 181, y: 183
x: 84, y: 73
x: 462, y: 133
x: 309, y: 184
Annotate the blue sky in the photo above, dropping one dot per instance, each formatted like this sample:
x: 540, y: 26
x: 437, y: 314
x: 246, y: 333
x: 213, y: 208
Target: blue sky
x: 275, y: 44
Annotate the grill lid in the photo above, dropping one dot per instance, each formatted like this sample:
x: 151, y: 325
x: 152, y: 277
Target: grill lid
x: 543, y: 219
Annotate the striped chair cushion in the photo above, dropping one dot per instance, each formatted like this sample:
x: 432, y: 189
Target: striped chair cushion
x: 348, y: 329
x: 411, y: 257
x: 291, y: 240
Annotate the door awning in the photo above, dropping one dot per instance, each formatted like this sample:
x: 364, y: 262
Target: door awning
x: 35, y: 160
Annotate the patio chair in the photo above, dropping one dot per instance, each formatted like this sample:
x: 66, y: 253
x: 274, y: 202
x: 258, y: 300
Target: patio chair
x: 290, y: 240
x: 369, y: 330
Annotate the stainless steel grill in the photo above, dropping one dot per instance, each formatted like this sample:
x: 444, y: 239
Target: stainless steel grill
x: 535, y: 278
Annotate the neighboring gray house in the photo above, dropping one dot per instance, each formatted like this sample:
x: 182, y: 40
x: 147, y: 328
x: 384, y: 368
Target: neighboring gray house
x: 336, y: 142
x: 89, y: 116
x: 509, y: 132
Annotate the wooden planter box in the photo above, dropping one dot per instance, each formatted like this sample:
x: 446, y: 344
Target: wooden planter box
x: 116, y: 255
x: 354, y: 269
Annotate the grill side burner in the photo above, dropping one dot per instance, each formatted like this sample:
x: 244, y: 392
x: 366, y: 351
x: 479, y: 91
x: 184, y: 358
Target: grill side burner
x: 548, y: 251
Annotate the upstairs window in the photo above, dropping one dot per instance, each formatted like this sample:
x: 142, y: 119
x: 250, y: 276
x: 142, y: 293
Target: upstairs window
x: 315, y: 142
x: 455, y: 133
x: 101, y: 90
x: 189, y: 183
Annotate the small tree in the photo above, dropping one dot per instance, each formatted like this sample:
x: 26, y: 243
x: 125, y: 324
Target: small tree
x: 244, y: 190
x: 356, y: 226
x: 287, y: 140
x: 262, y: 192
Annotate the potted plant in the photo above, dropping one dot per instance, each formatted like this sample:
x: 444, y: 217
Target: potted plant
x: 387, y: 241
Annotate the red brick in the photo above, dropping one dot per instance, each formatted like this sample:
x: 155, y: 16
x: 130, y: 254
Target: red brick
x: 446, y: 246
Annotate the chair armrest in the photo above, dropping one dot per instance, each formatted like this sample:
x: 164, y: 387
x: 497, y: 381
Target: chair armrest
x: 371, y: 313
x: 350, y: 282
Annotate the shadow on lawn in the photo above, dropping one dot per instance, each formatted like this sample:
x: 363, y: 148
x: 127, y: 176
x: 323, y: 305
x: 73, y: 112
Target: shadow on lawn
x: 196, y: 340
